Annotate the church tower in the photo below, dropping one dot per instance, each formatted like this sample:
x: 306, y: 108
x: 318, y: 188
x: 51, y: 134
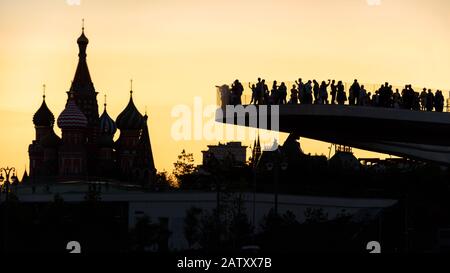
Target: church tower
x: 43, y: 150
x: 135, y: 158
x: 86, y: 148
x: 256, y: 152
x: 72, y: 154
x: 84, y: 95
x: 106, y: 154
x: 82, y: 87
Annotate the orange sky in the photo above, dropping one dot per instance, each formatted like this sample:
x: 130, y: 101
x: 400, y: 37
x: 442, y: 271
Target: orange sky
x: 177, y: 49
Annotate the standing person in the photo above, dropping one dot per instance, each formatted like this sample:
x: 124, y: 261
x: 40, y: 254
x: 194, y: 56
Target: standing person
x: 354, y: 93
x: 362, y: 96
x: 259, y: 92
x: 254, y: 94
x: 341, y: 96
x: 237, y: 89
x: 274, y: 96
x: 368, y: 101
x: 389, y: 96
x: 282, y: 94
x: 323, y: 93
x: 316, y: 89
x: 308, y: 93
x: 264, y: 92
x: 294, y: 95
x: 333, y: 92
x: 423, y: 100
x: 416, y: 101
x: 396, y: 99
x: 439, y: 101
x: 376, y: 99
x: 225, y: 94
x: 430, y: 101
x: 301, y: 90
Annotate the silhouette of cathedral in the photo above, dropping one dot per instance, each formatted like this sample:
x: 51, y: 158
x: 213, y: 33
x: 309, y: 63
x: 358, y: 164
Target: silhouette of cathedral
x: 87, y: 149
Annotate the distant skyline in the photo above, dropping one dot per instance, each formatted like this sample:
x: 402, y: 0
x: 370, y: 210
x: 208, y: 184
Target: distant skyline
x: 176, y: 50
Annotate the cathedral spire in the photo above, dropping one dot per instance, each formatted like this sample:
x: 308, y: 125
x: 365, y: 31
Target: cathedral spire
x: 82, y: 81
x: 131, y: 88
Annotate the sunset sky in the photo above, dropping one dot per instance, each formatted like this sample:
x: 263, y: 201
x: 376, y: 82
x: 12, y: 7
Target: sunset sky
x: 178, y: 49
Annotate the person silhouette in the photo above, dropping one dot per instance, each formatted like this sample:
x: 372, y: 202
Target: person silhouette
x: 308, y: 93
x: 236, y: 92
x: 439, y: 101
x: 430, y: 101
x: 225, y: 95
x: 265, y: 92
x: 354, y: 93
x: 301, y: 91
x: 333, y: 92
x: 254, y: 94
x: 362, y: 96
x: 396, y: 98
x: 323, y: 93
x: 294, y: 95
x: 341, y: 96
x: 423, y: 99
x: 316, y: 90
x: 282, y: 93
x: 274, y: 96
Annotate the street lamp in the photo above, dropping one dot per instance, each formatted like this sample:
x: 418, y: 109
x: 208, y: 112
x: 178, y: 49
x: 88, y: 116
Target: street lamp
x: 7, y: 171
x: 278, y: 164
x: 5, y: 186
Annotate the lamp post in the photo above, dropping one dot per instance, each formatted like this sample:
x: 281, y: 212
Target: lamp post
x: 278, y: 164
x: 5, y: 187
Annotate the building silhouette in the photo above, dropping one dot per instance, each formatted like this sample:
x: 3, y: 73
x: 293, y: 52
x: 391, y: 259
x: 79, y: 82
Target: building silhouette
x: 87, y: 150
x: 233, y: 151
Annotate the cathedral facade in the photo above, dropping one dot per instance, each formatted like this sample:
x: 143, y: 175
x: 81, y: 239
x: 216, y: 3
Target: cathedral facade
x: 86, y: 149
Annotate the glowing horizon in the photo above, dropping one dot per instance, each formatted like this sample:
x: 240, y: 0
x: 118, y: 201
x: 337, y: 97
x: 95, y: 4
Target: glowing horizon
x: 176, y: 50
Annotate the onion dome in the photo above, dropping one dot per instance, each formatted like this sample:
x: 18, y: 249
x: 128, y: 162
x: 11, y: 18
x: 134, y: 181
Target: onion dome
x: 82, y: 40
x: 43, y: 116
x: 130, y: 118
x: 107, y: 124
x: 72, y: 117
x: 51, y: 141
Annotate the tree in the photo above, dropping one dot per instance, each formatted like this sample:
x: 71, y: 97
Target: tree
x: 164, y: 181
x: 184, y: 165
x: 184, y: 168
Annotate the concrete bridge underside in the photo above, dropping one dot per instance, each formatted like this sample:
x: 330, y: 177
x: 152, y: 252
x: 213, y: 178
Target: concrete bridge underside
x: 406, y: 133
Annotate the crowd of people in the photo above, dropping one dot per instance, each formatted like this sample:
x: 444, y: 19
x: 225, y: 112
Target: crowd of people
x: 332, y: 92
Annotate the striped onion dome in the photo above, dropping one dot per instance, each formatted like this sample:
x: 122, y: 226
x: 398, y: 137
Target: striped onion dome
x: 72, y: 117
x: 107, y: 124
x: 43, y: 116
x: 130, y: 118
